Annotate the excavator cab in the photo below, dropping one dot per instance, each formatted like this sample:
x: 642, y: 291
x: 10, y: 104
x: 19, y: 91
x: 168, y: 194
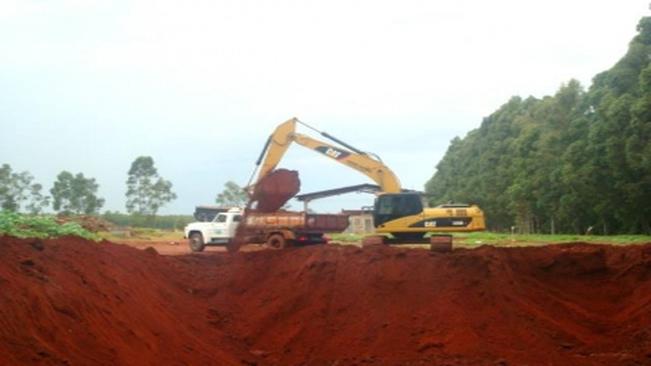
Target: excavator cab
x: 392, y: 206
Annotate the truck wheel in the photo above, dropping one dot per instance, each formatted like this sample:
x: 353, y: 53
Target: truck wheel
x: 277, y: 241
x: 196, y: 242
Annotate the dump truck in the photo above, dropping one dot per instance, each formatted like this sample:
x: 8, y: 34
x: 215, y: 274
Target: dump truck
x: 279, y: 229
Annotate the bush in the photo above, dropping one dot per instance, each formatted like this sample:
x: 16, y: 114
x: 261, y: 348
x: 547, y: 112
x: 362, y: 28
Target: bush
x: 41, y: 226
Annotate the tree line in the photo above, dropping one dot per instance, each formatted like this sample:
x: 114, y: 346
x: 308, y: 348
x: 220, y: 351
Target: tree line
x: 76, y: 194
x: 578, y: 161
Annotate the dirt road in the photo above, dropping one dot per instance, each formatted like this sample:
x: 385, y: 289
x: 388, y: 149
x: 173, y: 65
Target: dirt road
x: 181, y: 247
x: 169, y: 247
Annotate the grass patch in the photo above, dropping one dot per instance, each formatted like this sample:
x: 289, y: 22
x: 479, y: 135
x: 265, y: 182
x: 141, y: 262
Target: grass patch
x: 347, y: 237
x: 40, y: 226
x: 503, y: 239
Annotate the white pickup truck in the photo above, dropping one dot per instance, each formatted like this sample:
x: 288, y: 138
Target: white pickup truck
x: 276, y: 229
x: 221, y: 230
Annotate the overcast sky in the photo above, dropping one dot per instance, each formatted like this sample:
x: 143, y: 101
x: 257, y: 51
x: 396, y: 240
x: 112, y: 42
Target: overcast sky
x: 87, y: 86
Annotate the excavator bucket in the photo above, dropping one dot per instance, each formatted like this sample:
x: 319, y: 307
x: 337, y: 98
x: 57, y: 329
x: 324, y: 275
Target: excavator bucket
x: 275, y: 189
x: 270, y: 194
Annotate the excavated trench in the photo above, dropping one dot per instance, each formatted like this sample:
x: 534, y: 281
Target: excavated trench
x: 68, y: 301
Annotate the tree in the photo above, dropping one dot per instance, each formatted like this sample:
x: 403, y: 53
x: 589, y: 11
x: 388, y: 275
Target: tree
x: 37, y: 201
x: 147, y: 192
x: 75, y: 194
x: 17, y: 188
x: 232, y: 195
x: 563, y: 163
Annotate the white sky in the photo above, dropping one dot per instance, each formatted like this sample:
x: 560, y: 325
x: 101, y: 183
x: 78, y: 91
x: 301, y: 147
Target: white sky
x: 87, y: 86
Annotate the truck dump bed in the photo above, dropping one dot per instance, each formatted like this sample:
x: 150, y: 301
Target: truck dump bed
x: 324, y: 223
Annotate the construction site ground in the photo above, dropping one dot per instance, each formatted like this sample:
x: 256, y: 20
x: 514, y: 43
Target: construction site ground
x: 169, y: 242
x: 70, y: 301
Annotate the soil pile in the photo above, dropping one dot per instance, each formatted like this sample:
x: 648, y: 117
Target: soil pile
x: 90, y: 223
x: 71, y: 301
x: 75, y: 302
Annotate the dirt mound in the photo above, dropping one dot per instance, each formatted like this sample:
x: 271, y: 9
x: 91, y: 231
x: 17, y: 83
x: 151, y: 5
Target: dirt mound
x: 73, y: 302
x: 84, y: 303
x: 90, y: 223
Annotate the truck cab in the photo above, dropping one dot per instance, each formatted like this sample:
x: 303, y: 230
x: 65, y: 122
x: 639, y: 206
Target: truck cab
x: 219, y: 231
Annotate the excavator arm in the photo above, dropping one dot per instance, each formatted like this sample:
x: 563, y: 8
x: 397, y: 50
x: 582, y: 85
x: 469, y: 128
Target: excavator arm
x: 285, y: 134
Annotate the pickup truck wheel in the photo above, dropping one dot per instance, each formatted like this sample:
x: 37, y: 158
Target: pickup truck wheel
x: 196, y: 242
x: 277, y: 241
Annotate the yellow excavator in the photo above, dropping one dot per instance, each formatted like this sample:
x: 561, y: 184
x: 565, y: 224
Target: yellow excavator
x: 403, y: 214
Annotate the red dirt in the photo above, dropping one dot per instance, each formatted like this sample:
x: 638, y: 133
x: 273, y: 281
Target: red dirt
x: 68, y: 301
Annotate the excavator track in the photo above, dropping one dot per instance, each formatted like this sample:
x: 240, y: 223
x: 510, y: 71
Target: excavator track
x: 440, y: 243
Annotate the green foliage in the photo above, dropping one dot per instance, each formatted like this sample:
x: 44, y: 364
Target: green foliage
x: 476, y: 239
x: 574, y: 162
x: 75, y: 194
x: 17, y: 189
x: 232, y: 196
x: 147, y: 192
x: 503, y: 239
x: 174, y: 222
x: 347, y: 237
x: 33, y: 226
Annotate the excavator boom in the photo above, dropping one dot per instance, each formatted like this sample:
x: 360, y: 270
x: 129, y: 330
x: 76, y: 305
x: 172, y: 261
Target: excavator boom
x: 285, y: 134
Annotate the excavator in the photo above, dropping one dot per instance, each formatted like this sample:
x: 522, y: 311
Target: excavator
x: 403, y: 214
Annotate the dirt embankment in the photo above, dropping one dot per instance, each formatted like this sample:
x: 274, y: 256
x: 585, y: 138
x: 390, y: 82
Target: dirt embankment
x: 68, y: 301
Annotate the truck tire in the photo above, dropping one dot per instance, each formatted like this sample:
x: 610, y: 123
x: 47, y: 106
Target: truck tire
x: 196, y: 242
x: 277, y: 241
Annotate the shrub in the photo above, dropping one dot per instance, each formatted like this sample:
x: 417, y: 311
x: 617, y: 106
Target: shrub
x: 39, y: 226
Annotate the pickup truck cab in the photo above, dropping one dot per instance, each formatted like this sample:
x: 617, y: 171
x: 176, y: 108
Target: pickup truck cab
x: 219, y: 231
